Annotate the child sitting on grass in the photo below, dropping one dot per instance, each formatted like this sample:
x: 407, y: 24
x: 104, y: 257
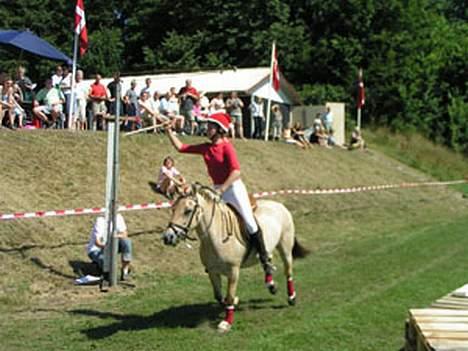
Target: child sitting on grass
x: 169, y: 177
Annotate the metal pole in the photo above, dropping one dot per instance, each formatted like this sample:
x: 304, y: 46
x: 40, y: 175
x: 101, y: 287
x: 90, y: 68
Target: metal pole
x: 115, y: 178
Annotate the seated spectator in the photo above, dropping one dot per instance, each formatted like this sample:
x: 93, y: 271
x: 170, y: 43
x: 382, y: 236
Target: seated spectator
x: 98, y: 241
x: 9, y: 104
x: 149, y: 116
x: 297, y: 133
x: 98, y: 95
x: 356, y: 142
x: 277, y: 121
x: 288, y: 139
x: 169, y: 106
x: 169, y: 177
x: 319, y: 136
x: 48, y: 106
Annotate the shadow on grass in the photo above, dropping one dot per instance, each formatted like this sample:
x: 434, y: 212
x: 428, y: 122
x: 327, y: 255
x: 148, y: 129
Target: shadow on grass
x: 186, y: 316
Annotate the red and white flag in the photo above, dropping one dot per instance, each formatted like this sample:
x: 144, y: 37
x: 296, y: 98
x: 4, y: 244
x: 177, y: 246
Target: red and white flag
x: 275, y: 70
x: 80, y: 26
x: 361, y: 99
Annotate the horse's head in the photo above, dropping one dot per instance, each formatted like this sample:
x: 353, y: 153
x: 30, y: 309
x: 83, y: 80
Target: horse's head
x: 186, y: 213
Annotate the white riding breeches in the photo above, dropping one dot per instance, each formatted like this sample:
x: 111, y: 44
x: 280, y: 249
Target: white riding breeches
x: 237, y: 196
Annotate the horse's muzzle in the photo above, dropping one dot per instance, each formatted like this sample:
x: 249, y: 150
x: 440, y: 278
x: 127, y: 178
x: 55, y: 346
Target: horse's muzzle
x: 170, y: 237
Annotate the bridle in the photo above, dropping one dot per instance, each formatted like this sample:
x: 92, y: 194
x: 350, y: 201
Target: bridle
x: 182, y: 231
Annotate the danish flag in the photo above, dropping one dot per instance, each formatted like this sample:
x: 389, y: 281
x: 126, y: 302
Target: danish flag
x: 80, y: 26
x: 275, y: 72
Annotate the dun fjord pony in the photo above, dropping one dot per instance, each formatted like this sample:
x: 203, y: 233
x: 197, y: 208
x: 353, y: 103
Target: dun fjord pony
x: 224, y: 247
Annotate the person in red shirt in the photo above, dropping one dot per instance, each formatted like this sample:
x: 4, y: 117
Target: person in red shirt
x: 224, y: 170
x: 98, y: 95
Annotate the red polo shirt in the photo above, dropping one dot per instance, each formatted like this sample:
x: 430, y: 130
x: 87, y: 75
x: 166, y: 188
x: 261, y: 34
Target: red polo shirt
x: 220, y: 159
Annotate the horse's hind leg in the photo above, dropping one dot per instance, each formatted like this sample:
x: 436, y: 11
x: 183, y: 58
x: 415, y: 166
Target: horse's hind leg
x: 285, y: 252
x: 215, y: 279
x: 233, y: 278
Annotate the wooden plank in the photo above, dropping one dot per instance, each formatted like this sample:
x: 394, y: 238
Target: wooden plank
x: 454, y: 327
x: 446, y: 335
x: 446, y: 345
x: 437, y: 312
x: 441, y: 319
x: 453, y: 306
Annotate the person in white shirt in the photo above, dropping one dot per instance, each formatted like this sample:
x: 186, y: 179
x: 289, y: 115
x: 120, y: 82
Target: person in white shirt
x: 98, y: 240
x: 80, y: 93
x: 169, y: 177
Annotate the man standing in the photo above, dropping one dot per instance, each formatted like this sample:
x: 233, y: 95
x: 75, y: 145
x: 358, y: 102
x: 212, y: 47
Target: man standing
x: 188, y: 96
x: 98, y: 95
x: 234, y: 107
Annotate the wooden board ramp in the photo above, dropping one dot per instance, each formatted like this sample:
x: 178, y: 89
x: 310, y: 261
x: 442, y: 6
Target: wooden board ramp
x: 441, y: 327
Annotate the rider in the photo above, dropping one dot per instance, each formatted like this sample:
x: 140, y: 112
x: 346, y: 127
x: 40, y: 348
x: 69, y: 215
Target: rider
x: 224, y: 170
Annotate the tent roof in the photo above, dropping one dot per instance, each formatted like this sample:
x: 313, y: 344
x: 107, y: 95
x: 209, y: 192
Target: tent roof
x: 28, y: 41
x: 250, y: 81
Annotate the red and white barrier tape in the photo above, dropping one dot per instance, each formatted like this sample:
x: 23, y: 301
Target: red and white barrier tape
x: 160, y: 205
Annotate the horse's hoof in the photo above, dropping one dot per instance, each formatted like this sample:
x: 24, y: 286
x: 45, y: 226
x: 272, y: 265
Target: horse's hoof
x: 292, y: 300
x: 224, y: 327
x: 272, y: 287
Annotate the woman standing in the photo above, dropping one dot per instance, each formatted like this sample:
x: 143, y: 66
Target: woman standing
x: 224, y: 170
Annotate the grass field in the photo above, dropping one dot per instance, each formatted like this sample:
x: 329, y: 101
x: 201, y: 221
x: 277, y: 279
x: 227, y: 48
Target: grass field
x: 374, y: 255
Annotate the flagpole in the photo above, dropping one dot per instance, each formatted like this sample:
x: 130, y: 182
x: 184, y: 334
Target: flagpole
x: 270, y: 87
x: 359, y: 99
x: 71, y: 107
x: 359, y: 118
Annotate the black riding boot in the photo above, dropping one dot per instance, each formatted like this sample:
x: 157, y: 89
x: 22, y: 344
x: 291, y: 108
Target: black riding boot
x: 257, y: 242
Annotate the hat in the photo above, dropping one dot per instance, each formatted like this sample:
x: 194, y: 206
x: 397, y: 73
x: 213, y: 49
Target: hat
x: 221, y: 119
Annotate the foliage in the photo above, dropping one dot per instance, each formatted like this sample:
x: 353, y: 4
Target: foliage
x: 414, y: 53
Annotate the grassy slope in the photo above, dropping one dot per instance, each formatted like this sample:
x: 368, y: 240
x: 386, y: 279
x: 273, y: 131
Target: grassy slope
x: 374, y: 254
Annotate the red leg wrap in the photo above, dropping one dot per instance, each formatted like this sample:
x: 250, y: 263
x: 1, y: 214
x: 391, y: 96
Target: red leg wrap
x: 268, y: 278
x: 229, y: 314
x: 291, y: 290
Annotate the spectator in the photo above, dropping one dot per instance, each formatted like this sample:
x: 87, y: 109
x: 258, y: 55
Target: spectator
x: 112, y: 87
x: 52, y: 100
x: 317, y: 121
x: 98, y: 95
x: 169, y: 177
x: 131, y: 106
x: 205, y: 104
x: 188, y: 97
x: 147, y: 88
x: 200, y: 118
x: 98, y: 241
x: 173, y: 106
x: 65, y: 87
x: 277, y: 121
x: 234, y: 107
x: 297, y: 133
x: 256, y: 112
x: 288, y: 139
x: 357, y: 141
x: 217, y: 104
x: 156, y: 103
x: 25, y: 84
x: 81, y: 98
x: 57, y: 77
x: 149, y: 116
x: 10, y: 105
x: 328, y: 120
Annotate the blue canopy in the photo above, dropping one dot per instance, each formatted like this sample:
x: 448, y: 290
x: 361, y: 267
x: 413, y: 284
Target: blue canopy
x: 28, y: 41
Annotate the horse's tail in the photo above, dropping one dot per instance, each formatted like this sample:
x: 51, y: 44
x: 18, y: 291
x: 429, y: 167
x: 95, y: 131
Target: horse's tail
x: 298, y: 250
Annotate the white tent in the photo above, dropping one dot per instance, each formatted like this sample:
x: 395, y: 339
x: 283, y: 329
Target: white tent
x: 246, y: 81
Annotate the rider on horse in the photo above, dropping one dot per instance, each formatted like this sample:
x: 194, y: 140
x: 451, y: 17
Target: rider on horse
x: 224, y: 169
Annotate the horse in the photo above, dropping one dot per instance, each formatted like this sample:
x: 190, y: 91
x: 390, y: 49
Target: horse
x: 224, y: 245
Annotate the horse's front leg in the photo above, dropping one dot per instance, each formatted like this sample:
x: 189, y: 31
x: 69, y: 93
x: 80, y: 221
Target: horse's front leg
x: 215, y: 279
x: 233, y: 278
